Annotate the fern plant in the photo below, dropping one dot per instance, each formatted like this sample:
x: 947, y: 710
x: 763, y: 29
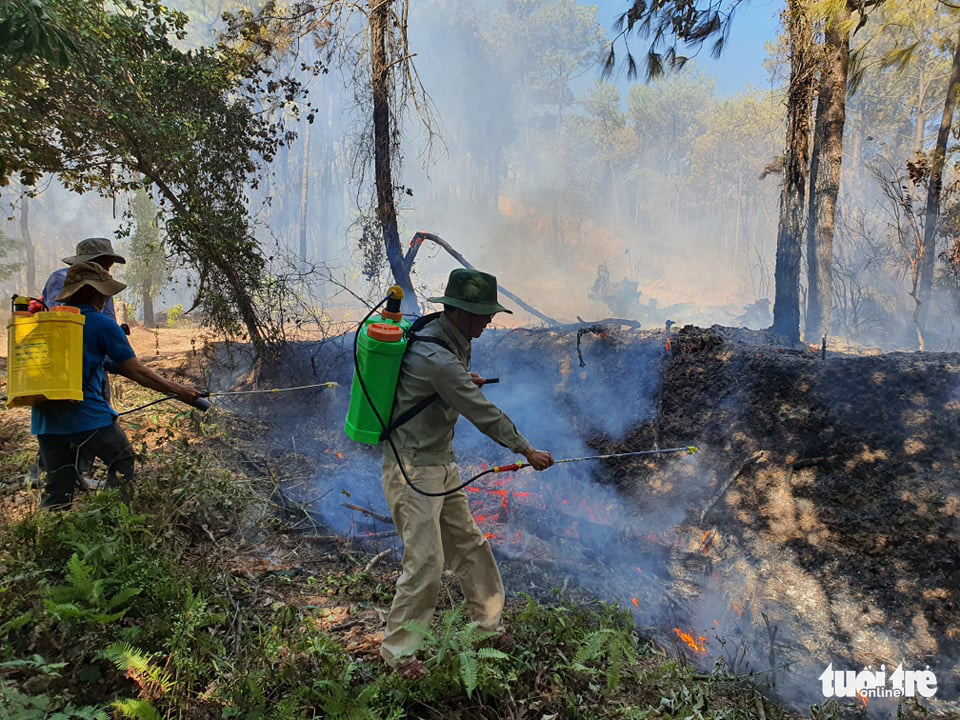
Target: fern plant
x: 461, y: 642
x: 87, y: 598
x: 616, y: 648
x: 340, y: 701
x: 154, y: 682
x: 136, y: 710
x: 17, y: 705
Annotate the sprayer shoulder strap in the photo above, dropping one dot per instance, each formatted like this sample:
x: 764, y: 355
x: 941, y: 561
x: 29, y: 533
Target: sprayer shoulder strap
x: 421, y: 405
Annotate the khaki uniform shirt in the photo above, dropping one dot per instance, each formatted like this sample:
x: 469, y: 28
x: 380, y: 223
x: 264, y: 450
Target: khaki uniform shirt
x: 427, y: 439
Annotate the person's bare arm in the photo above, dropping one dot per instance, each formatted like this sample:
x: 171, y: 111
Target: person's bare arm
x: 142, y: 375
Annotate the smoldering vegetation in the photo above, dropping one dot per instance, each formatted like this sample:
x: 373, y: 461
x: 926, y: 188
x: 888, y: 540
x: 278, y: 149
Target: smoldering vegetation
x: 817, y: 523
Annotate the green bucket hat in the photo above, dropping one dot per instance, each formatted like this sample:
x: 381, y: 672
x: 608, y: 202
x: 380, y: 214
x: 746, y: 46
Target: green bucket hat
x: 473, y: 291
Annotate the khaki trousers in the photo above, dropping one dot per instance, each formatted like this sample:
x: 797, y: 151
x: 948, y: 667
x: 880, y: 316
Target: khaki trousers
x: 434, y: 529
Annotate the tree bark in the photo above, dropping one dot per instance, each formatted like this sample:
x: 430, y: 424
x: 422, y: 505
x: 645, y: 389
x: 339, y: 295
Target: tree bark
x: 30, y: 280
x: 825, y: 164
x: 304, y: 186
x: 928, y: 256
x: 382, y: 146
x: 147, y: 299
x: 786, y: 306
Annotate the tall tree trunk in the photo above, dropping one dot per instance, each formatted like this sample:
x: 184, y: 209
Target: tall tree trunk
x: 30, y: 280
x: 928, y: 256
x: 147, y: 299
x: 825, y: 165
x: 921, y: 118
x: 386, y: 209
x: 786, y: 305
x: 737, y: 228
x: 304, y: 186
x: 614, y: 193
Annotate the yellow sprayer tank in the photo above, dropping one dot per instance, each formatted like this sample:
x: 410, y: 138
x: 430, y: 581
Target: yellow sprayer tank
x: 45, y: 356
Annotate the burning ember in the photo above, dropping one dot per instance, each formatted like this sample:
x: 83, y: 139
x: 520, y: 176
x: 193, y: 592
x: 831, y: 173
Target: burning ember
x: 697, y: 645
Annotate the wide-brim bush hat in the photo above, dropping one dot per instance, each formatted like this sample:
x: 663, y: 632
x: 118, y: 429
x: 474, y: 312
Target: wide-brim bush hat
x: 91, y: 249
x: 473, y: 291
x: 88, y: 273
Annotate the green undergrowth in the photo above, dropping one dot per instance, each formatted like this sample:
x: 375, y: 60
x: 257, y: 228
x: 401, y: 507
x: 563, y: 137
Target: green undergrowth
x: 104, y: 616
x: 115, y: 612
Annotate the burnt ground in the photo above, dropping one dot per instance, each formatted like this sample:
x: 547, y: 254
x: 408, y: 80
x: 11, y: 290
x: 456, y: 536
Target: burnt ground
x: 818, y: 522
x: 835, y: 495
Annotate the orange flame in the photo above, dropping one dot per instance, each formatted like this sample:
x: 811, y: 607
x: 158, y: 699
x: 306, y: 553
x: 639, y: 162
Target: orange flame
x: 863, y: 700
x: 636, y: 603
x: 737, y: 609
x: 697, y: 645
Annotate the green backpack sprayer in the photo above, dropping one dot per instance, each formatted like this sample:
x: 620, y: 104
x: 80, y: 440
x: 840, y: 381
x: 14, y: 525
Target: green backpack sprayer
x: 379, y: 345
x: 378, y: 348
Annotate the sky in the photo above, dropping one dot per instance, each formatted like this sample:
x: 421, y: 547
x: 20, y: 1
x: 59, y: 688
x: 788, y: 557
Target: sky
x: 755, y: 24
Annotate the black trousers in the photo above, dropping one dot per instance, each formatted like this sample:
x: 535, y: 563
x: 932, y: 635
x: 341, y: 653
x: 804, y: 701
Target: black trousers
x: 63, y: 456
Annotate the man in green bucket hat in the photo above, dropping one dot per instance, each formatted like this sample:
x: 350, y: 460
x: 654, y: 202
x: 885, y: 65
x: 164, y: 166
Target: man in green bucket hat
x: 438, y: 529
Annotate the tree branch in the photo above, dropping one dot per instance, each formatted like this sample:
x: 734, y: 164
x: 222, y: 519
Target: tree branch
x: 417, y: 241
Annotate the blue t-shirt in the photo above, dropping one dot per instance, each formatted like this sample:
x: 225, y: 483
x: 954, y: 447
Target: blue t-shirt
x: 55, y: 284
x: 102, y: 339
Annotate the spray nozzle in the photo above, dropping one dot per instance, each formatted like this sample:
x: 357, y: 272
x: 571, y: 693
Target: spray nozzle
x: 394, y: 298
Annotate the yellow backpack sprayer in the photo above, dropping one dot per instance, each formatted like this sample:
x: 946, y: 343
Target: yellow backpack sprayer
x: 45, y: 354
x: 45, y: 349
x: 378, y: 348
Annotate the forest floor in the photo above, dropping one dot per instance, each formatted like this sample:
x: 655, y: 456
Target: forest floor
x: 819, y: 518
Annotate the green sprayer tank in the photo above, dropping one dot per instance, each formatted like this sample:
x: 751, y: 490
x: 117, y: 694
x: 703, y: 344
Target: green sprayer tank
x: 380, y: 347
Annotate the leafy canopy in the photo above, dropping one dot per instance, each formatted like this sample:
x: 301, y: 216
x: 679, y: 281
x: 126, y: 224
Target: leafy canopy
x: 104, y: 97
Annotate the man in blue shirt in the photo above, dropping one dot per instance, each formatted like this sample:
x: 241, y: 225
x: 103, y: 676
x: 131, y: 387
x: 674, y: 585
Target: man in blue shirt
x: 71, y: 434
x: 97, y: 250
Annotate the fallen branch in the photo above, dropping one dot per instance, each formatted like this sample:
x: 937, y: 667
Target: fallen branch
x: 611, y: 321
x: 723, y: 489
x: 378, y: 535
x: 375, y: 515
x: 417, y: 241
x: 344, y: 625
x: 375, y: 559
x: 336, y: 539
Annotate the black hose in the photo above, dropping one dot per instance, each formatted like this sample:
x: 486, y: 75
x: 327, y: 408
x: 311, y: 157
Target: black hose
x: 201, y: 403
x: 383, y: 425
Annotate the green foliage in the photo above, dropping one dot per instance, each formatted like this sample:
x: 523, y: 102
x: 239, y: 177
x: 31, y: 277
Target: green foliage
x: 28, y: 29
x: 136, y: 709
x: 138, y: 666
x: 87, y: 598
x: 18, y: 705
x: 133, y: 109
x: 7, y: 269
x: 200, y: 641
x: 454, y: 651
x: 150, y: 267
x: 340, y: 700
x: 614, y: 647
x: 174, y: 315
